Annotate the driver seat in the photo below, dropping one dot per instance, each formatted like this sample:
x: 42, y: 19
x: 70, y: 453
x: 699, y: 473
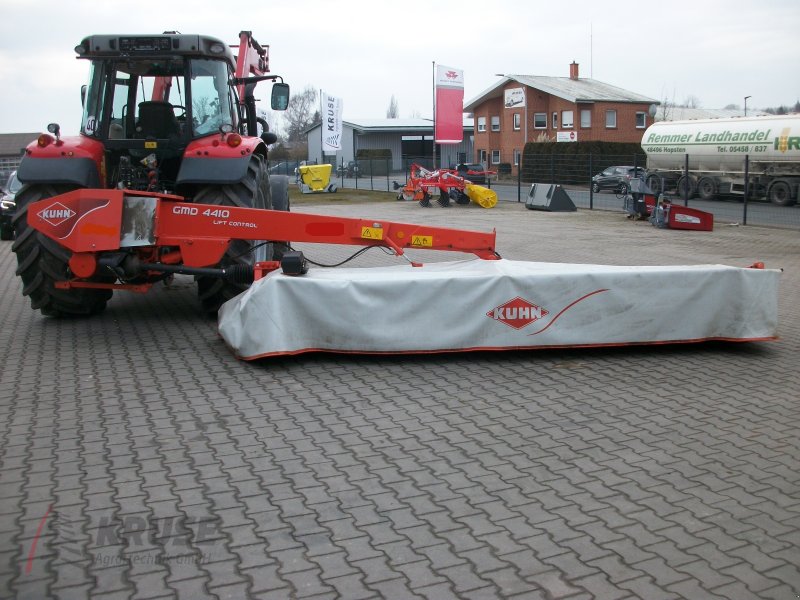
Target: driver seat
x: 156, y: 120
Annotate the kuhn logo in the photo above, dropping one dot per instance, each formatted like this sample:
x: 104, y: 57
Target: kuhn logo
x: 517, y: 313
x: 56, y: 214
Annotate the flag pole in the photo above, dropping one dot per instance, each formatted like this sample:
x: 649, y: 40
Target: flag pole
x: 433, y: 62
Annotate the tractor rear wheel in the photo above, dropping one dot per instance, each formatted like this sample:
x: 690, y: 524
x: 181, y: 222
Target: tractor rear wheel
x: 41, y: 262
x: 251, y: 192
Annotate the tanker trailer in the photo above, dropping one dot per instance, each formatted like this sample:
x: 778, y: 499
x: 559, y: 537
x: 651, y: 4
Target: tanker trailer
x: 716, y: 150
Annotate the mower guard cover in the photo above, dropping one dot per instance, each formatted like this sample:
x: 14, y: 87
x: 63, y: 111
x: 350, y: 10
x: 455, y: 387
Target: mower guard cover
x: 498, y: 305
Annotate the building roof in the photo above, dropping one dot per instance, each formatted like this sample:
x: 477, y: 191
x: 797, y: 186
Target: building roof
x: 572, y: 90
x: 13, y: 144
x: 681, y: 113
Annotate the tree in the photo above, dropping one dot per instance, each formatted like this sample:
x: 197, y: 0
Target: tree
x: 392, y: 112
x: 733, y: 107
x: 302, y: 113
x: 691, y: 101
x: 667, y: 108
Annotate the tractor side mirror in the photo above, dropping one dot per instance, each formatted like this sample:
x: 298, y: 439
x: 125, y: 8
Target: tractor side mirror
x: 280, y: 96
x: 83, y: 95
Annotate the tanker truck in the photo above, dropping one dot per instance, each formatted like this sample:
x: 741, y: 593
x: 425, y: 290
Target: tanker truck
x: 715, y: 150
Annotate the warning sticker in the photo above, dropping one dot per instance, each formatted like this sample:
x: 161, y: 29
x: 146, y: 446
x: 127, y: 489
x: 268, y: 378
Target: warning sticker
x: 424, y: 241
x: 372, y: 233
x: 151, y: 145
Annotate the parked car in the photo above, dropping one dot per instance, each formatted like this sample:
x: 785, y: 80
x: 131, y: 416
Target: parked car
x: 474, y: 172
x: 617, y: 178
x: 283, y: 168
x: 8, y: 206
x: 351, y: 169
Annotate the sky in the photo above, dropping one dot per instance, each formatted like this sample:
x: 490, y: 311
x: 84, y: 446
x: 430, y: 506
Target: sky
x: 367, y: 52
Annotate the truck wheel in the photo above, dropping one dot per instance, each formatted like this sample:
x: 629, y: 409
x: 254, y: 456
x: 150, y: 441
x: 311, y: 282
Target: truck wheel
x: 655, y: 183
x: 41, y: 262
x: 706, y: 188
x: 251, y: 192
x: 686, y: 188
x: 780, y: 193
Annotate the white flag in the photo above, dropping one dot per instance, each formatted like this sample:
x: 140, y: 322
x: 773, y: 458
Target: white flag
x: 331, y: 123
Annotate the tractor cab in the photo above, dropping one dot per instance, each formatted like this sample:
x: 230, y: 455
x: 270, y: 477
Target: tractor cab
x: 149, y: 98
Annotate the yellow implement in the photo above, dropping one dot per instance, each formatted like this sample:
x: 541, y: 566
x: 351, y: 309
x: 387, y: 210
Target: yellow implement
x: 315, y: 178
x: 481, y: 196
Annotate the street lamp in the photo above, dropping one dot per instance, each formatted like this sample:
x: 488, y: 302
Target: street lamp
x: 745, y: 104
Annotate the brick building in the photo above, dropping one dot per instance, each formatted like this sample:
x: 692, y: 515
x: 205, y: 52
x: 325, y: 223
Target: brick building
x: 533, y: 108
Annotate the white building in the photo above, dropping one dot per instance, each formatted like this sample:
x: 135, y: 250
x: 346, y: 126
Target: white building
x: 403, y: 140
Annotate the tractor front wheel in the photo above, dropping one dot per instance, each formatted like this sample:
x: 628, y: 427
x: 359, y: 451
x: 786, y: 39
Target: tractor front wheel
x: 251, y: 192
x: 41, y: 262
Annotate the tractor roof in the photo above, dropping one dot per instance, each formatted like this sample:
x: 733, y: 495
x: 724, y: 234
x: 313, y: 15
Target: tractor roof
x: 150, y: 46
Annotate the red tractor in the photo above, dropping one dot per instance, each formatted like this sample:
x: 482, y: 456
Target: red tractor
x: 167, y: 114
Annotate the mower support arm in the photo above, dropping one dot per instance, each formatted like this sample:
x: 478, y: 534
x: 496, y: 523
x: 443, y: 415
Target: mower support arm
x: 91, y: 221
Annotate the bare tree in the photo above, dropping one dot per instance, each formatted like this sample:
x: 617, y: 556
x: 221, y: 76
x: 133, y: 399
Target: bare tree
x: 302, y: 112
x: 692, y: 101
x: 393, y: 111
x: 667, y: 108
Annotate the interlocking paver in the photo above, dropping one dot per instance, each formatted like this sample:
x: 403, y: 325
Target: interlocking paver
x: 174, y: 471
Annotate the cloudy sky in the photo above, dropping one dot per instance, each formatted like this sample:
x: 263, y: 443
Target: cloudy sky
x: 368, y: 51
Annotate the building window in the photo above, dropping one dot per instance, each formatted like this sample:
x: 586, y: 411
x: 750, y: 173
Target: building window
x: 611, y: 119
x: 481, y: 123
x: 482, y: 156
x: 555, y: 120
x: 495, y: 123
x: 517, y: 156
x: 495, y: 157
x: 586, y: 118
x: 567, y: 119
x: 641, y: 120
x: 517, y: 121
x: 540, y: 121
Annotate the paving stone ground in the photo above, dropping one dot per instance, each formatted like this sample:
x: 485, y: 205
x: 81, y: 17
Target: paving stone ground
x: 140, y: 459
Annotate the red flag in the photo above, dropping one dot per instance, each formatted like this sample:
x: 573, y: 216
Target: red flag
x: 449, y: 105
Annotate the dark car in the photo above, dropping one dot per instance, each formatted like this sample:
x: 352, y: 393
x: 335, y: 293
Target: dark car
x: 8, y: 206
x: 351, y: 169
x: 617, y: 179
x: 474, y: 172
x: 283, y: 168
